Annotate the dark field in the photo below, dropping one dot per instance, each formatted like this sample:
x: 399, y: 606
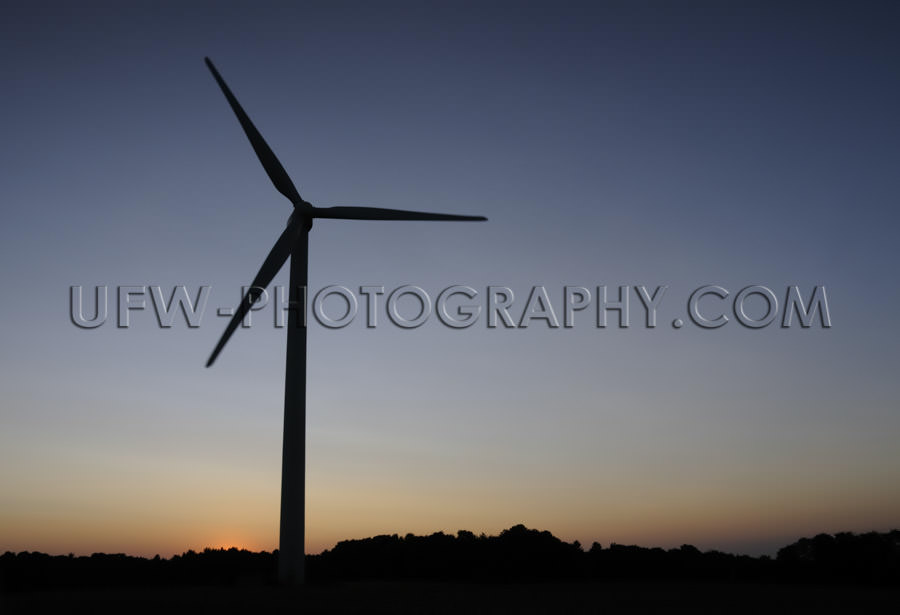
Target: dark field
x: 518, y: 571
x: 426, y: 597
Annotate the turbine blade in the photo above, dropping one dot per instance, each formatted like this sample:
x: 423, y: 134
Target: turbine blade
x: 279, y: 253
x: 270, y: 163
x: 378, y: 213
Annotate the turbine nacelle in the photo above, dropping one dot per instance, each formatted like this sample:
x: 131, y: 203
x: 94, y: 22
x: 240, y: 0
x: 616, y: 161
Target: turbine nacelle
x: 298, y: 216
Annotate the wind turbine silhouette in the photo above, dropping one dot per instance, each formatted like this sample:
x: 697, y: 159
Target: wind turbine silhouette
x: 294, y: 242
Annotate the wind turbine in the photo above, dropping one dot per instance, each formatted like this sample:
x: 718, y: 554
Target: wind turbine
x: 294, y: 243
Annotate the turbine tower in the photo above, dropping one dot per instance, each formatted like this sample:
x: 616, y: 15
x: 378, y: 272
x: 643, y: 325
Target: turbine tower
x: 294, y: 243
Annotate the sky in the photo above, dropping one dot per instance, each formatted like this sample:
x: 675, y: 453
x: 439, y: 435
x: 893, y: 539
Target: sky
x: 677, y: 144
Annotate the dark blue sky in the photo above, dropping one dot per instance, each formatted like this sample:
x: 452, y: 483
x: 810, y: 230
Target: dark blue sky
x: 665, y: 143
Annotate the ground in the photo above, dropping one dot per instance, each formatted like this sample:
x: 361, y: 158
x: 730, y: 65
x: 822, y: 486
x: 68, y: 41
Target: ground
x: 413, y: 597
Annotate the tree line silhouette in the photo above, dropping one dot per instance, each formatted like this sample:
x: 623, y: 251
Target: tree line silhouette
x: 517, y: 554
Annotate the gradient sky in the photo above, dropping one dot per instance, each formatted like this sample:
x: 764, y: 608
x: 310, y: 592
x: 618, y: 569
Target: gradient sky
x: 648, y: 143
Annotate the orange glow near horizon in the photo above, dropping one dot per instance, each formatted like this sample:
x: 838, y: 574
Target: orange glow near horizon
x: 666, y: 523
x: 150, y: 503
